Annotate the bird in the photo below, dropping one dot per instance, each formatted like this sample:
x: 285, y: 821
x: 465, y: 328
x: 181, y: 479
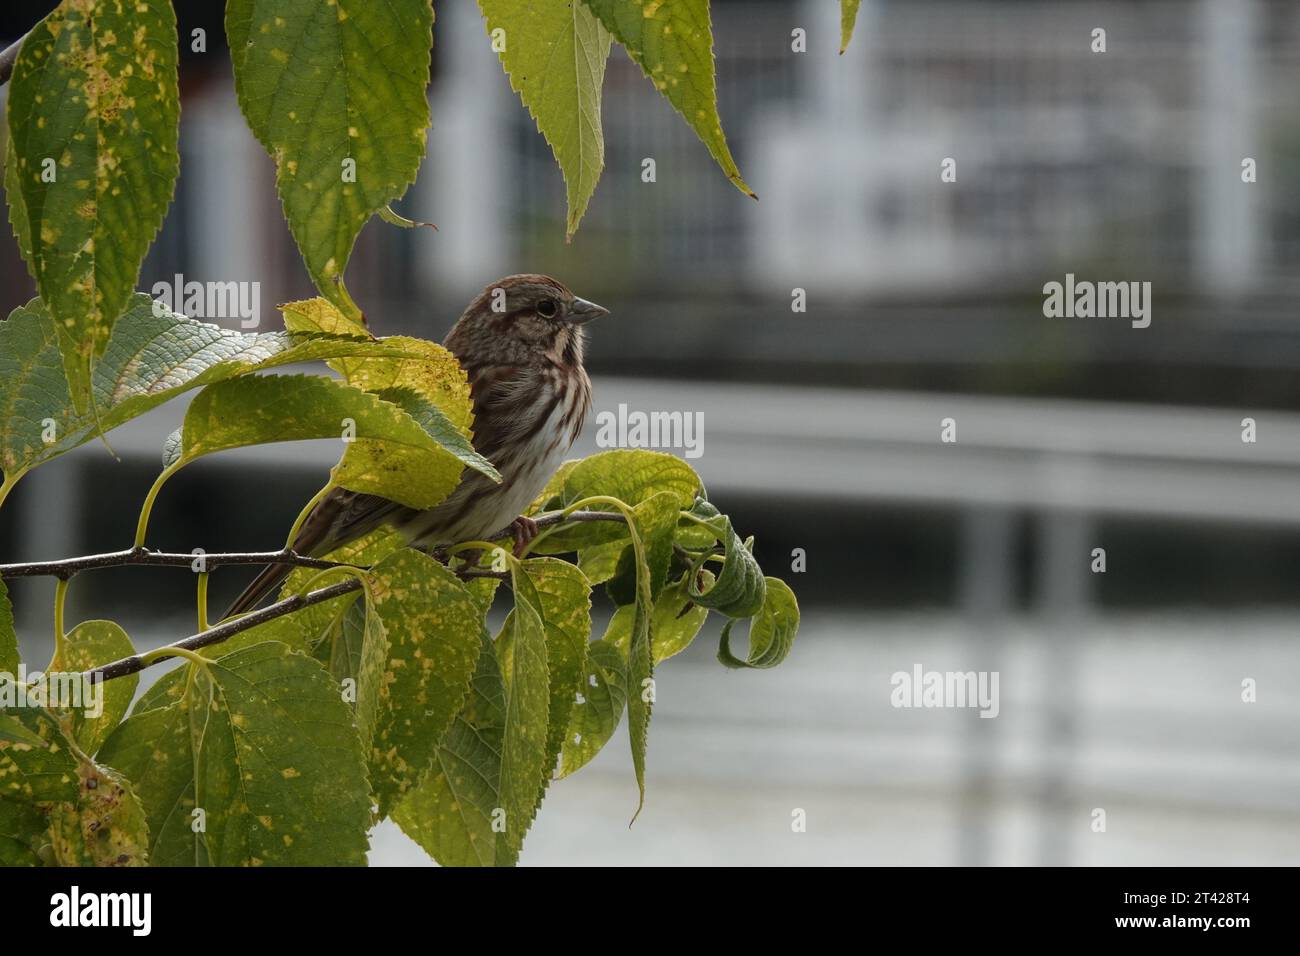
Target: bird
x: 521, y: 343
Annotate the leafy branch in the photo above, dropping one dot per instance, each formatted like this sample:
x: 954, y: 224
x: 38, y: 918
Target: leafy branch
x: 383, y: 695
x: 65, y: 568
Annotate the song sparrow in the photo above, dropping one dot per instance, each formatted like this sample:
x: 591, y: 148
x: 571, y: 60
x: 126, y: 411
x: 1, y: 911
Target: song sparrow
x: 521, y: 343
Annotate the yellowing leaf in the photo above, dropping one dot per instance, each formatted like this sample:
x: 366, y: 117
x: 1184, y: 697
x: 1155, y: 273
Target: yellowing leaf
x: 424, y: 367
x: 106, y: 826
x: 88, y: 645
x: 32, y: 773
x: 261, y: 744
x: 433, y: 628
x: 565, y: 603
x: 93, y: 119
x: 452, y: 811
x: 416, y: 462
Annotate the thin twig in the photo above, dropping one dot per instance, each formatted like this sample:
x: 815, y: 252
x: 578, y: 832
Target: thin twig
x: 215, y: 635
x: 67, y: 567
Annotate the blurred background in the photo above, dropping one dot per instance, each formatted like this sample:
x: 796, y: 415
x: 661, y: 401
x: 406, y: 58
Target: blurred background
x: 1120, y: 690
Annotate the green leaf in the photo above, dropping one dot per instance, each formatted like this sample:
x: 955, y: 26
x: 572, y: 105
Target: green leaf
x: 426, y: 381
x: 89, y: 645
x: 739, y: 587
x: 12, y: 730
x: 450, y: 812
x: 601, y: 562
x: 632, y: 476
x: 677, y: 621
x: 771, y: 635
x: 94, y: 97
x: 527, y: 714
x: 153, y: 355
x: 655, y: 520
x: 640, y: 691
x: 483, y: 591
x: 323, y: 85
x: 23, y: 829
x: 848, y: 17
x: 106, y: 826
x: 484, y: 761
x: 356, y: 650
x: 433, y: 628
x: 288, y: 630
x: 262, y: 742
x: 672, y: 42
x: 596, y: 714
x: 320, y: 315
x: 392, y: 455
x: 156, y: 354
x: 673, y: 626
x: 17, y: 207
x: 31, y: 773
x: 432, y: 373
x: 33, y: 388
x: 10, y: 657
x: 555, y: 55
x: 565, y: 604
x: 644, y: 478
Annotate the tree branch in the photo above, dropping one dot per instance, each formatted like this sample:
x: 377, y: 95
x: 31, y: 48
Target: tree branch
x: 66, y: 568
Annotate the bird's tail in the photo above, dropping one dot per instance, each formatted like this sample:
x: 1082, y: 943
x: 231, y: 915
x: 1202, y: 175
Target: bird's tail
x: 267, y: 580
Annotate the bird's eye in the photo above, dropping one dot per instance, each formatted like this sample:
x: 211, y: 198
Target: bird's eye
x: 547, y: 308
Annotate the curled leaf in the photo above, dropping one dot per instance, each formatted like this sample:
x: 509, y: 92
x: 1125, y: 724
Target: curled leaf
x: 772, y: 633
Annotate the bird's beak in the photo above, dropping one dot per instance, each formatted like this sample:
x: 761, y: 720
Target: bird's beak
x: 582, y: 311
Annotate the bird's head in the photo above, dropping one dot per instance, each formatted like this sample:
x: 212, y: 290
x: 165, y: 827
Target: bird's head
x: 523, y: 319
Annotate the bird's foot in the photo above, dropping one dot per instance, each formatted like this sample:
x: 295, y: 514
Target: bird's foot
x: 525, y: 530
